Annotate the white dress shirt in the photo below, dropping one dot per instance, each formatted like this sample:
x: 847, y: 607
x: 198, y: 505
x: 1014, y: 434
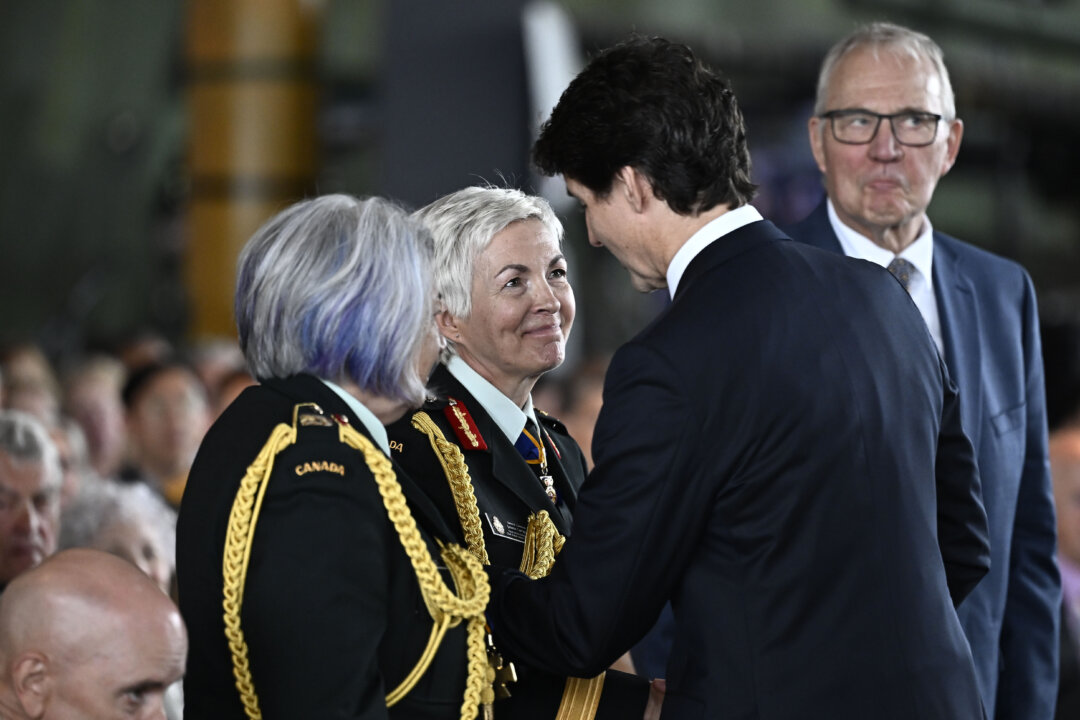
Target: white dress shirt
x: 712, y: 231
x: 919, y: 253
x: 508, y: 416
x: 365, y: 416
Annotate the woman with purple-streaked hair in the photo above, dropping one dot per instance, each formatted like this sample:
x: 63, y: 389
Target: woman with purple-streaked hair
x: 314, y: 577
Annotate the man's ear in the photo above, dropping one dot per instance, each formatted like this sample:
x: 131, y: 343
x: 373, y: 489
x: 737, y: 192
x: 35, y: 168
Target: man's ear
x: 816, y: 129
x: 32, y: 683
x: 952, y: 145
x: 635, y: 187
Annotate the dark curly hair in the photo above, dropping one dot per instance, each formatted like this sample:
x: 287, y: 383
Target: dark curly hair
x: 650, y: 104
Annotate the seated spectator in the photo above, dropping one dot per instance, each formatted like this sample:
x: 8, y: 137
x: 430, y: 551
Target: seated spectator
x: 145, y: 346
x: 167, y: 416
x: 86, y: 635
x: 30, y: 480
x: 74, y: 457
x: 214, y: 359
x: 129, y: 521
x: 30, y: 384
x: 229, y: 388
x: 92, y: 397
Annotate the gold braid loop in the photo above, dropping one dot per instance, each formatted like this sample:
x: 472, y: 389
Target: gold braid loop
x: 457, y: 475
x: 448, y: 609
x: 542, y: 543
x: 238, y: 538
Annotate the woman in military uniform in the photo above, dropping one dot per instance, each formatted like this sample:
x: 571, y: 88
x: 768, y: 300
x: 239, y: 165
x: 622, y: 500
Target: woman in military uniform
x: 307, y: 563
x: 506, y: 471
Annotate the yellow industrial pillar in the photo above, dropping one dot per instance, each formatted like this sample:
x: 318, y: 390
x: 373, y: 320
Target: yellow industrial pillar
x: 252, y: 98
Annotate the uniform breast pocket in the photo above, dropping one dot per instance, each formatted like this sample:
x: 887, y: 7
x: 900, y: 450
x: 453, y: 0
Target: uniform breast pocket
x: 1008, y: 420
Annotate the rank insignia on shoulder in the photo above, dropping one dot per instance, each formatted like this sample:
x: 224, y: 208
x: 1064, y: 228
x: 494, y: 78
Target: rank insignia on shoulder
x: 310, y: 419
x: 464, y: 426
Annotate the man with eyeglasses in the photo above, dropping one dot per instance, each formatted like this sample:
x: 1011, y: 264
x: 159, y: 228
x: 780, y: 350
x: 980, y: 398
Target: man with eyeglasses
x: 884, y: 131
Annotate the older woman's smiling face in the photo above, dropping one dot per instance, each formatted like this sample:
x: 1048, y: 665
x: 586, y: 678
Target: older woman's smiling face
x: 522, y: 310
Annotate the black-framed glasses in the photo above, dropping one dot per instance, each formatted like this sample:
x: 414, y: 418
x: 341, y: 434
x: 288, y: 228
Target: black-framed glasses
x: 858, y: 127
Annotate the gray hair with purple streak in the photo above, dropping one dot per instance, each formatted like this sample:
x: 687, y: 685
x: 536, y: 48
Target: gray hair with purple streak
x: 338, y: 287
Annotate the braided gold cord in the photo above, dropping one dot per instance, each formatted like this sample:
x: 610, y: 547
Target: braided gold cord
x: 457, y: 475
x: 447, y: 608
x: 542, y: 543
x: 241, y: 529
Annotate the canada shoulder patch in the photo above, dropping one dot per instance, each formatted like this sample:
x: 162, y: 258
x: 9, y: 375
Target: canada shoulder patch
x: 320, y: 466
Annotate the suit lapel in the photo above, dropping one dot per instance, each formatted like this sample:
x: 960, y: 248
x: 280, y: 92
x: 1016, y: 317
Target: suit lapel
x: 959, y: 329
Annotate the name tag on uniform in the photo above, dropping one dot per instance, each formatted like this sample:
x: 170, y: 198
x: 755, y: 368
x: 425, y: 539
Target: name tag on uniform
x: 506, y: 528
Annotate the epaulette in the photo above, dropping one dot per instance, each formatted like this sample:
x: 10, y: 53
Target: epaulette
x: 550, y: 421
x: 311, y: 415
x: 463, y: 425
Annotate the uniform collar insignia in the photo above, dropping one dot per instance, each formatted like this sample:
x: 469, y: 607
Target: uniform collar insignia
x: 464, y: 426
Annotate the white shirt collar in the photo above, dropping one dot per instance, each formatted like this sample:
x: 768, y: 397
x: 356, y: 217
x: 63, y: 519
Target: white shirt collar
x: 508, y: 416
x: 713, y: 230
x: 365, y: 416
x: 919, y: 253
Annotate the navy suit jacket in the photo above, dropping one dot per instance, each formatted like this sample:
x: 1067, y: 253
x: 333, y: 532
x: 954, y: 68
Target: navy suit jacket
x: 991, y: 331
x: 789, y: 470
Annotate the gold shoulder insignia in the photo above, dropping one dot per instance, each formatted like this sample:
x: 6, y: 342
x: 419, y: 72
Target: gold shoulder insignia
x: 463, y: 425
x: 310, y: 415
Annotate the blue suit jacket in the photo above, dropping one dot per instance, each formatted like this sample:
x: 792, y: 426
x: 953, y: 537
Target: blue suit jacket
x: 792, y: 474
x: 991, y: 333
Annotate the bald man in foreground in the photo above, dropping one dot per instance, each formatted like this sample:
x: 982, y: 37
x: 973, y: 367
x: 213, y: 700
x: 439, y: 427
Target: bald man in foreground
x: 86, y: 634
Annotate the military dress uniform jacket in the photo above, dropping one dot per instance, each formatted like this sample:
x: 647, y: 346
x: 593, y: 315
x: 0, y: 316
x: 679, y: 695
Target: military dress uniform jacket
x: 791, y: 473
x: 508, y: 491
x: 332, y: 612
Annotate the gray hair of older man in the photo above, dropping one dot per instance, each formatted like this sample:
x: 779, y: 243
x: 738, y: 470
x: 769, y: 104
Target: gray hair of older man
x: 24, y: 439
x: 893, y: 38
x: 338, y: 287
x: 464, y: 223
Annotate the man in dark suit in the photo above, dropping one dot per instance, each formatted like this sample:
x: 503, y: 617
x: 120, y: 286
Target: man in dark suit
x: 772, y: 456
x: 884, y: 132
